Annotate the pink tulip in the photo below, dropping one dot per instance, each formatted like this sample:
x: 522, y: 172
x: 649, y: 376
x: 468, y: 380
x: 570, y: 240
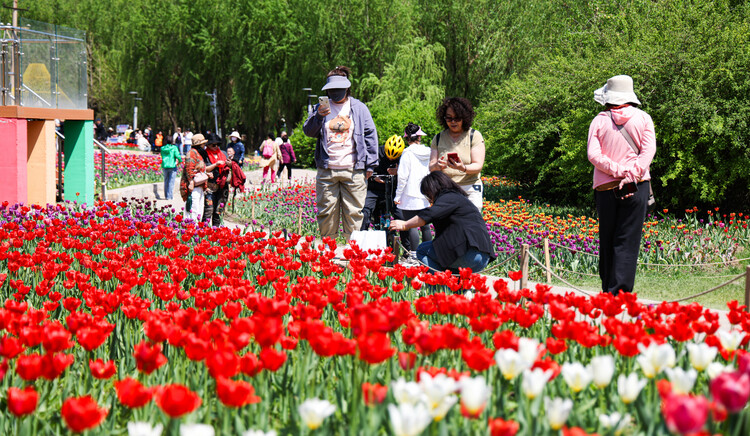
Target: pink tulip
x: 731, y: 390
x: 685, y: 414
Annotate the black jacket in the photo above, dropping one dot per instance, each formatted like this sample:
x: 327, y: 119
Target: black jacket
x: 458, y: 226
x: 381, y: 170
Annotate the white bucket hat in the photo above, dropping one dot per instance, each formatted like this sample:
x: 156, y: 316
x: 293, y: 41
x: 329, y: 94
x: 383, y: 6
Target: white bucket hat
x: 618, y: 90
x: 235, y: 134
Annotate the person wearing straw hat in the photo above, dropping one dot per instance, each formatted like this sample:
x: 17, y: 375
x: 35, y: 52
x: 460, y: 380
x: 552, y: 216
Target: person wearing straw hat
x: 621, y: 146
x: 193, y: 181
x: 346, y: 155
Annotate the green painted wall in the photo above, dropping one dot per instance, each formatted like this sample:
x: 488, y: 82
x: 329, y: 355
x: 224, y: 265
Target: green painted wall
x: 79, y: 162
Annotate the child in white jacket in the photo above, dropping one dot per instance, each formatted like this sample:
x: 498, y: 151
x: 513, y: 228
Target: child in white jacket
x: 414, y: 165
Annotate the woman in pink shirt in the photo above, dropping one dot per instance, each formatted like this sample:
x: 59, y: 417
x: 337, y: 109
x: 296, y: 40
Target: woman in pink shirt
x: 621, y: 180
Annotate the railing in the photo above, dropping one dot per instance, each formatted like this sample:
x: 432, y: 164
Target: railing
x: 102, y: 175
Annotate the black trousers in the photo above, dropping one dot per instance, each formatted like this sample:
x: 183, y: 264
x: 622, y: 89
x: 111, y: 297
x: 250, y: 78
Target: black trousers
x: 375, y: 207
x: 215, y: 204
x: 620, y: 229
x: 410, y: 238
x: 288, y: 170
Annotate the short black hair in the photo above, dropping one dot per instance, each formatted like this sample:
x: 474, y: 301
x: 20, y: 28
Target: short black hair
x: 437, y: 182
x: 461, y: 107
x: 270, y: 136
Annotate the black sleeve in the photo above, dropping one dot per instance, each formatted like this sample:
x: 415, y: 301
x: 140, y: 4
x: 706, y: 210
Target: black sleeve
x: 440, y: 210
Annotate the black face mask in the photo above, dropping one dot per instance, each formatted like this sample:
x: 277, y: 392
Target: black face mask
x: 337, y: 94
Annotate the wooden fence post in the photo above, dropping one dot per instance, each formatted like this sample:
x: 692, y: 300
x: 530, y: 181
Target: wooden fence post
x: 299, y: 221
x: 524, y: 265
x: 546, y: 260
x: 747, y: 288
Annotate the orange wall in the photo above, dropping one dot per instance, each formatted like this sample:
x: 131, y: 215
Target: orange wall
x: 41, y: 162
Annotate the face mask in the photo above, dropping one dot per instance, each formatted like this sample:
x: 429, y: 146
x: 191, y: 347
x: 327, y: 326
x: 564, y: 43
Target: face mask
x: 337, y: 94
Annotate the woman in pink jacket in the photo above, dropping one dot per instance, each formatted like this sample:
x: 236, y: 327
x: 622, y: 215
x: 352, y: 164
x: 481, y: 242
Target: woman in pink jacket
x: 621, y: 180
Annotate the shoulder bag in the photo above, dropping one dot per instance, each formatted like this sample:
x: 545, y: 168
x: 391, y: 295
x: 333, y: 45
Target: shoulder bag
x: 651, y: 200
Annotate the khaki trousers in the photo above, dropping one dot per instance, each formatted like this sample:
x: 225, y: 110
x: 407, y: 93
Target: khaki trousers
x: 340, y: 197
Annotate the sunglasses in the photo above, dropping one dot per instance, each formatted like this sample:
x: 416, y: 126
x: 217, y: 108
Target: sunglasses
x: 452, y: 119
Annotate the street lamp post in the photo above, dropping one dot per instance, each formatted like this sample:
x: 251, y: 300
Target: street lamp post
x: 135, y: 108
x: 308, y: 91
x: 215, y: 109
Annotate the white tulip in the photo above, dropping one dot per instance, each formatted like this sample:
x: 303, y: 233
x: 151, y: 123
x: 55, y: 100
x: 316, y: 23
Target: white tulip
x: 629, y: 387
x: 474, y: 394
x: 558, y: 410
x: 716, y: 369
x: 409, y: 419
x: 576, y: 376
x: 511, y: 363
x: 682, y: 381
x: 314, y: 410
x: 406, y: 392
x: 603, y: 368
x: 144, y: 429
x: 730, y: 340
x: 701, y: 355
x: 469, y: 295
x: 529, y: 350
x: 196, y: 430
x: 259, y: 433
x: 440, y: 409
x: 655, y: 358
x: 534, y: 381
x: 615, y: 422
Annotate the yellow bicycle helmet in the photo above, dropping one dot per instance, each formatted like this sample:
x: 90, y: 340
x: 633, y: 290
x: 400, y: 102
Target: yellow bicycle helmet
x: 394, y: 146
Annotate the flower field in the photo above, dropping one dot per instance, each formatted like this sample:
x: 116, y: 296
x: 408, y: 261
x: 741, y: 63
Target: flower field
x: 124, y: 318
x: 574, y: 245
x: 126, y: 169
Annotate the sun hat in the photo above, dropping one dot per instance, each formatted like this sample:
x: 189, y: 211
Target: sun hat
x: 199, y: 139
x: 417, y: 133
x: 618, y: 90
x: 234, y: 134
x: 337, y: 82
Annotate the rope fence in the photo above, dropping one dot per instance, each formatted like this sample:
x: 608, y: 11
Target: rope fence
x: 526, y: 255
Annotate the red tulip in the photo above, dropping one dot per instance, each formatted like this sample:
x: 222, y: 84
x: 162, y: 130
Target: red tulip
x: 515, y: 275
x: 29, y: 367
x: 375, y: 348
x: 22, y: 402
x: 91, y: 338
x: 501, y: 427
x: 102, y: 370
x: 685, y: 414
x: 250, y: 365
x: 53, y: 365
x: 235, y: 393
x: 731, y: 390
x: 82, y: 413
x: 223, y: 363
x: 373, y: 393
x: 132, y: 393
x: 56, y: 338
x: 177, y: 400
x: 272, y: 359
x: 11, y: 347
x: 407, y: 360
x: 148, y: 357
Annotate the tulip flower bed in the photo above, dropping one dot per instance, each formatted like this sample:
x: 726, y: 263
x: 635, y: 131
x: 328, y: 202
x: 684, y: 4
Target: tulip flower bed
x: 126, y: 169
x: 124, y: 318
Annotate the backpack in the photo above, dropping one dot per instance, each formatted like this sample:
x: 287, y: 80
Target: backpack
x: 178, y: 140
x: 267, y: 151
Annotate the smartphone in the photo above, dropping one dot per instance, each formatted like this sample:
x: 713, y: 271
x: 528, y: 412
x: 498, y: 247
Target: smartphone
x: 453, y: 157
x: 324, y: 104
x: 630, y: 188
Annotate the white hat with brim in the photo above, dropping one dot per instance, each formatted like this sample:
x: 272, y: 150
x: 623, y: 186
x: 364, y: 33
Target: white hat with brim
x: 617, y: 91
x: 234, y: 134
x: 337, y: 82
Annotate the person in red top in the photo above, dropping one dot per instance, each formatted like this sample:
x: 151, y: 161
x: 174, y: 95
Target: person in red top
x: 621, y: 180
x: 217, y: 190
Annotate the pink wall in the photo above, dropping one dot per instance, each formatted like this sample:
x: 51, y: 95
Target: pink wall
x: 13, y: 149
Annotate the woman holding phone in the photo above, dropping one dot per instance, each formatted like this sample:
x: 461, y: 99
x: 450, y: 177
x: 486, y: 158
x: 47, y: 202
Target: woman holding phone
x: 346, y: 155
x: 621, y: 179
x: 458, y: 150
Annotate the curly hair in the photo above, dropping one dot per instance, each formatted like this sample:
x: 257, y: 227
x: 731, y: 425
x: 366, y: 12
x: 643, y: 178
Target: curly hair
x: 461, y: 107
